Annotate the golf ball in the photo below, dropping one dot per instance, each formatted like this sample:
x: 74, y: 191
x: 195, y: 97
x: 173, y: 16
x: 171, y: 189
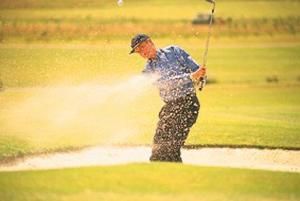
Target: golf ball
x: 120, y: 2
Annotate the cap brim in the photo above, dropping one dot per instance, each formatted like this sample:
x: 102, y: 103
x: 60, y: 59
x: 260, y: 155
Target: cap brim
x: 132, y: 51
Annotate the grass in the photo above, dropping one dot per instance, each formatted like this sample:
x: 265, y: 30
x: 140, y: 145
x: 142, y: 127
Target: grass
x: 227, y: 117
x: 41, y: 65
x: 48, y: 21
x: 232, y: 120
x: 143, y: 9
x: 71, y: 117
x: 68, y: 83
x: 150, y: 182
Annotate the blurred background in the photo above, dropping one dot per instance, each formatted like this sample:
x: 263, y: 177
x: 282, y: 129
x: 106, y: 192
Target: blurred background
x: 109, y: 27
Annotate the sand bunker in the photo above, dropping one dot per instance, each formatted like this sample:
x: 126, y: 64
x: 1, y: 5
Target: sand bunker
x: 277, y: 160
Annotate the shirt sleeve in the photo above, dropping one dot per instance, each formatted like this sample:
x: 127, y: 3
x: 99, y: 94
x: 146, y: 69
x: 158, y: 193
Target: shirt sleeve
x: 189, y: 64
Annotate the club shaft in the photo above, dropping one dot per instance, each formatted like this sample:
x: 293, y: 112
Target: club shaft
x: 208, y: 36
x: 204, y: 79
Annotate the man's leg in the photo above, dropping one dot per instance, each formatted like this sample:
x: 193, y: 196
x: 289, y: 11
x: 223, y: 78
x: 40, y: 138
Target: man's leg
x: 162, y: 142
x: 186, y: 118
x: 175, y: 121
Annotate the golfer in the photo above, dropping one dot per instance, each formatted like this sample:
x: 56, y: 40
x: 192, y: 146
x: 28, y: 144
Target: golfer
x: 177, y: 71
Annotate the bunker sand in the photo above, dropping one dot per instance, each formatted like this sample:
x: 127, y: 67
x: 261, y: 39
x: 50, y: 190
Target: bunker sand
x: 275, y: 160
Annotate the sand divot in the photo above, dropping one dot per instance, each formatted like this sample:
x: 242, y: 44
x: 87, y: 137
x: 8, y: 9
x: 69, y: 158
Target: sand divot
x: 276, y: 160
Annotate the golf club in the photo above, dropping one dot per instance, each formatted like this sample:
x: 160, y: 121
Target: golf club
x: 203, y: 80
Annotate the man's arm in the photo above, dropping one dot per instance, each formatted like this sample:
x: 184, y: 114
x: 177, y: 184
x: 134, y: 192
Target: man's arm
x: 195, y: 76
x: 186, y: 61
x: 190, y: 65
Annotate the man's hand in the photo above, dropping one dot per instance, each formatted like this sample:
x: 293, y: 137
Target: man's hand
x: 200, y: 73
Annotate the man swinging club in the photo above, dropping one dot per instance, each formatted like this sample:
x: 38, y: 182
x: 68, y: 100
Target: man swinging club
x: 177, y: 74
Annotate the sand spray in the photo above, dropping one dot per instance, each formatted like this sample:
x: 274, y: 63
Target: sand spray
x: 62, y: 114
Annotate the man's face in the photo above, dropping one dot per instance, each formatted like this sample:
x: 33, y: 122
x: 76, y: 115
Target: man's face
x: 146, y: 49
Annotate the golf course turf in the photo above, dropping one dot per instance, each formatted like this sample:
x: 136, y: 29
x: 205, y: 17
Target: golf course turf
x: 227, y: 113
x: 67, y: 81
x: 158, y: 181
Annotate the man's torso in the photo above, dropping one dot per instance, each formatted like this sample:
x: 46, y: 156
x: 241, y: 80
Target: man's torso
x: 173, y: 65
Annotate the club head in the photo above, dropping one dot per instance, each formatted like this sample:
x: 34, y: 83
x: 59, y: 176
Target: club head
x: 211, y: 1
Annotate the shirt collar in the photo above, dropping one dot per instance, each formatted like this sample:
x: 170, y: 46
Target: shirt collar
x: 158, y: 53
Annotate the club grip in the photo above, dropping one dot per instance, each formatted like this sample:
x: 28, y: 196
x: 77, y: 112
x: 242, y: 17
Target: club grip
x: 202, y: 82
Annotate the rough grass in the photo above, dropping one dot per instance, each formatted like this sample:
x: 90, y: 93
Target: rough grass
x: 143, y: 9
x: 47, y: 21
x: 160, y: 181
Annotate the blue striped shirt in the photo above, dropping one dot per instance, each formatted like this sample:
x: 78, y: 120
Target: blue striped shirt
x: 174, y: 66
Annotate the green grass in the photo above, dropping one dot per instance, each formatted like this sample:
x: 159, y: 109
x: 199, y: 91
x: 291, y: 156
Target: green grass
x: 150, y: 182
x: 26, y: 65
x: 57, y: 57
x: 49, y: 21
x: 257, y: 115
x: 265, y: 115
x: 143, y: 9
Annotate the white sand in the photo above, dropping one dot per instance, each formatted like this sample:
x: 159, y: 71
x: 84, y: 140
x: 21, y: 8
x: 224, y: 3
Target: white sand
x: 277, y: 160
